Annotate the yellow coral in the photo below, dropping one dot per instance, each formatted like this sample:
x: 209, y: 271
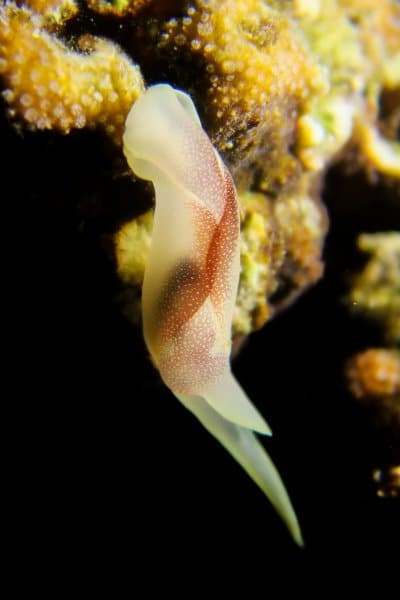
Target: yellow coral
x: 375, y: 290
x: 262, y: 254
x: 276, y: 81
x: 49, y: 86
x: 55, y: 12
x: 303, y: 222
x: 334, y: 39
x: 374, y: 375
x: 364, y: 62
x: 279, y: 240
x: 118, y: 8
x: 378, y: 25
x: 382, y: 154
x: 258, y: 71
x: 132, y: 246
x: 373, y: 378
x: 324, y: 131
x: 281, y: 243
x: 283, y: 88
x: 281, y: 76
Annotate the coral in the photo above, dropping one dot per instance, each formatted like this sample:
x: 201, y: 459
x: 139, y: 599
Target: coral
x: 373, y: 378
x: 132, y: 247
x: 54, y: 12
x: 303, y: 221
x: 262, y: 254
x: 378, y: 28
x: 375, y: 291
x: 283, y: 89
x: 256, y: 73
x: 364, y: 65
x: 52, y: 87
x: 281, y: 253
x: 118, y: 8
x: 280, y: 248
x: 381, y: 153
x: 374, y: 375
x: 258, y: 108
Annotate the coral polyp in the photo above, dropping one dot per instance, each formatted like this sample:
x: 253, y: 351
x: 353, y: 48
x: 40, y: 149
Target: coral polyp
x: 50, y: 86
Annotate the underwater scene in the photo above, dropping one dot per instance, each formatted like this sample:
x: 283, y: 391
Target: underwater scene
x: 206, y: 286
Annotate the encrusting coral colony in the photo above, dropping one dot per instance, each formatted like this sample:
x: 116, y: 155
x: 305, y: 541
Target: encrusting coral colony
x: 284, y: 90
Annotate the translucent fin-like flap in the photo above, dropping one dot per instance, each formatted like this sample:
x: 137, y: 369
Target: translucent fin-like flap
x: 188, y: 105
x: 250, y: 454
x: 229, y: 400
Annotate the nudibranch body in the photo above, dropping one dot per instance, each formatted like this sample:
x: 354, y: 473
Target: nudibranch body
x: 192, y: 275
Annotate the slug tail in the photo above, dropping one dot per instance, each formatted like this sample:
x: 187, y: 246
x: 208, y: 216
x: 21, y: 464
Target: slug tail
x: 243, y: 445
x: 228, y: 399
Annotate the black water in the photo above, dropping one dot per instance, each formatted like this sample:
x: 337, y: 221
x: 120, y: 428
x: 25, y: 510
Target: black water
x: 111, y: 482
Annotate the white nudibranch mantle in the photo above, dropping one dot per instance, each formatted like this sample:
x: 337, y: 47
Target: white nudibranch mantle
x: 191, y: 278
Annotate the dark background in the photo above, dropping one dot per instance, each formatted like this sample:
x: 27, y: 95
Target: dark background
x: 111, y: 481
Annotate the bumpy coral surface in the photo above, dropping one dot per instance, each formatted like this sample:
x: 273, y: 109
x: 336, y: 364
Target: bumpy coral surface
x: 55, y: 12
x: 374, y: 375
x: 283, y: 88
x: 257, y: 73
x: 373, y: 378
x: 279, y: 239
x: 49, y: 86
x: 375, y: 291
x: 262, y: 255
x: 132, y: 247
x: 117, y: 8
